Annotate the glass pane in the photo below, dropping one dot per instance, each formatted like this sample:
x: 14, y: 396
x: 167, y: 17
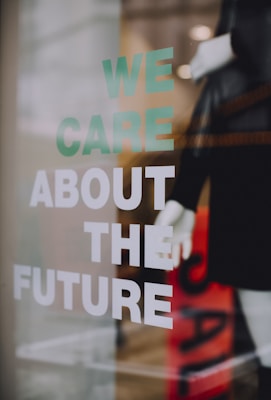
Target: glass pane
x: 142, y: 126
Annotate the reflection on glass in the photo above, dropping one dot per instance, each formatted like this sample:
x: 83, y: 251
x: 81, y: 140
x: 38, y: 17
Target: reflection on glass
x: 65, y: 342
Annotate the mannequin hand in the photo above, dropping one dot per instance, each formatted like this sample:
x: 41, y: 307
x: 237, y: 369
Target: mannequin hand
x: 183, y: 221
x: 211, y: 55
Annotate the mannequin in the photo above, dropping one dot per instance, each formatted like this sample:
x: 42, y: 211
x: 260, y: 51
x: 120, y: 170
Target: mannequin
x: 231, y: 148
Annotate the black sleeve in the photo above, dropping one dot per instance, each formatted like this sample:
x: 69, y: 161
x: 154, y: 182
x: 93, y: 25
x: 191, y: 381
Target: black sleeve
x: 195, y: 159
x: 251, y: 38
x: 190, y: 180
x: 227, y: 17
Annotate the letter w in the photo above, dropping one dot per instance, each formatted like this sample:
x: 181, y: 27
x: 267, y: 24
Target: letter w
x: 129, y: 81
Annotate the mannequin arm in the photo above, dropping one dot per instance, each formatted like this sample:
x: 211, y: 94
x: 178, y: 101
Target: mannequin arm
x: 211, y: 55
x: 183, y: 221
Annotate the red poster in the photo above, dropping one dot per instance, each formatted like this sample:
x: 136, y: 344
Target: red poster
x: 200, y: 343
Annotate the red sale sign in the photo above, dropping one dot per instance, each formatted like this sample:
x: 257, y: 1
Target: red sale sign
x: 201, y: 342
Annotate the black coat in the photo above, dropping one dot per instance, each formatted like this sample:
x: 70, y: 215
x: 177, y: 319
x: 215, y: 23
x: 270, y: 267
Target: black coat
x: 229, y: 140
